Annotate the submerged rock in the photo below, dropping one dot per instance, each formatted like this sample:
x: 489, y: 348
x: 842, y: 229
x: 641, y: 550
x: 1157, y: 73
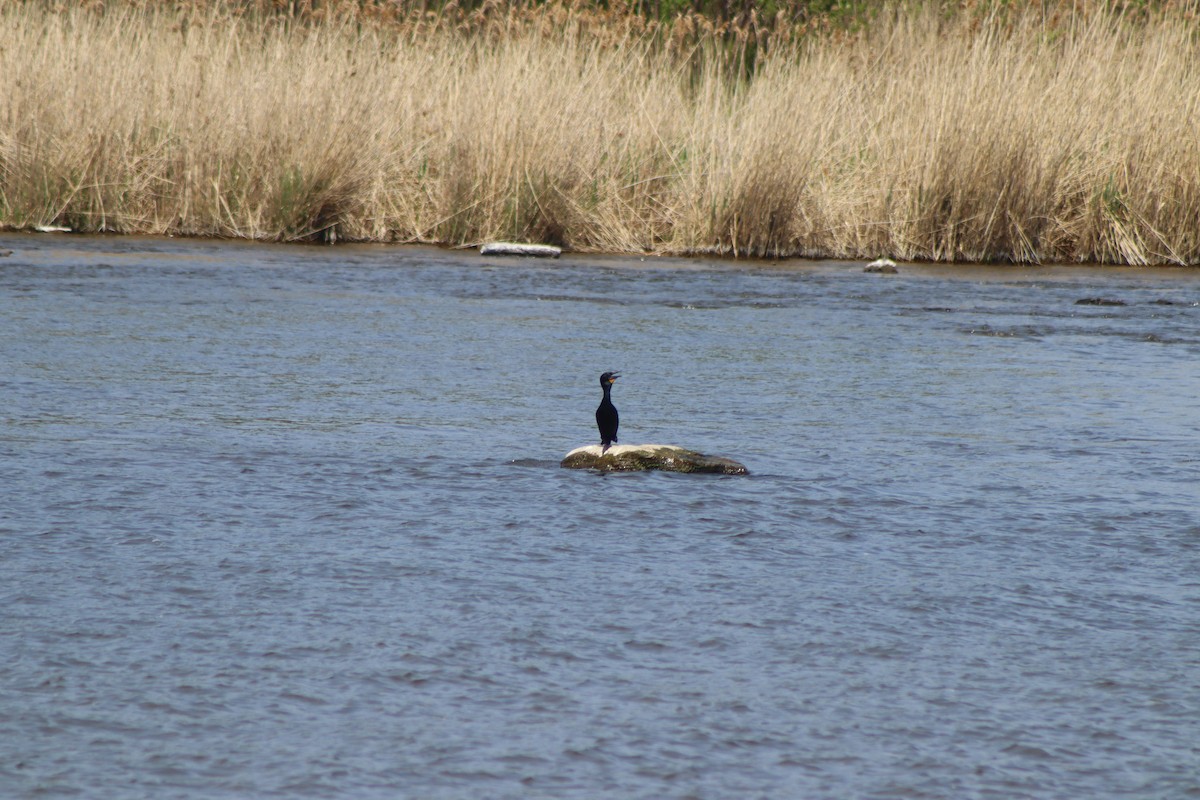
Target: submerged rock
x: 636, y: 457
x: 518, y: 249
x: 883, y: 266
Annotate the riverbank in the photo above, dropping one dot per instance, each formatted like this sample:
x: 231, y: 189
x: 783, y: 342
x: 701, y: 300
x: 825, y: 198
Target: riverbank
x: 922, y: 137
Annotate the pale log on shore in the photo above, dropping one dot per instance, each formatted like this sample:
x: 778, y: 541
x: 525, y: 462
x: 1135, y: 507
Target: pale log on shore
x: 520, y: 249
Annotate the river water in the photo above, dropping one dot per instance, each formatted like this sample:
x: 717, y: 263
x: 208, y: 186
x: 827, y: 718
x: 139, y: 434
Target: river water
x: 289, y: 522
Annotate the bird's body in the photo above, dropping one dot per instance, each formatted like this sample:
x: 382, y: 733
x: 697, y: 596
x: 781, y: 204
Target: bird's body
x: 607, y: 419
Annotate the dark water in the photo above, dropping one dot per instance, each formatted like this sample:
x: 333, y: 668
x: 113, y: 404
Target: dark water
x: 288, y: 522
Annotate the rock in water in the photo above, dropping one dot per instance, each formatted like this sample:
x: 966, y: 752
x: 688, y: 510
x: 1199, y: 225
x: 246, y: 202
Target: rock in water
x: 883, y: 266
x: 520, y: 249
x: 634, y: 457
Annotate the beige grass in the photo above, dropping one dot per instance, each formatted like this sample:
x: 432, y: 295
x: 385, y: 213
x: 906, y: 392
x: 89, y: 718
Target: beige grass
x: 962, y: 140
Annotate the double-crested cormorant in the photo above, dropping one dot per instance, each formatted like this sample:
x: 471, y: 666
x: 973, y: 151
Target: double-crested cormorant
x: 606, y: 415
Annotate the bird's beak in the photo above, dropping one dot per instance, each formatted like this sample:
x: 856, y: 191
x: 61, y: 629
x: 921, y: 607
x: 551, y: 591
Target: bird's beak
x: 613, y: 377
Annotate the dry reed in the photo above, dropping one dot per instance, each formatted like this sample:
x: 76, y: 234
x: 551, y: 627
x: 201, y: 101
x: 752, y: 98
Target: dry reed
x: 969, y: 138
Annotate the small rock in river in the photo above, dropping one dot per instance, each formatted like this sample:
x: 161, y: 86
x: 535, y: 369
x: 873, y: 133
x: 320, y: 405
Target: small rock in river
x: 1099, y: 301
x: 883, y: 266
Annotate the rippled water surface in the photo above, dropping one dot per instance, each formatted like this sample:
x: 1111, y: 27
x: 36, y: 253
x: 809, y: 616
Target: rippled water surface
x: 289, y: 522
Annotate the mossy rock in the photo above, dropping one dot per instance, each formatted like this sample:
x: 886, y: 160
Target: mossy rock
x: 638, y: 457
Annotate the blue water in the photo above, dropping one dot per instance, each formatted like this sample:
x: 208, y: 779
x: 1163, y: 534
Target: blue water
x: 289, y: 522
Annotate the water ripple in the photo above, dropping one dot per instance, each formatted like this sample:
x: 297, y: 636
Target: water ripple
x: 289, y: 521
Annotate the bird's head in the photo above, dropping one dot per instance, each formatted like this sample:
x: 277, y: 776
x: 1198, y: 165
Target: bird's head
x: 608, y: 378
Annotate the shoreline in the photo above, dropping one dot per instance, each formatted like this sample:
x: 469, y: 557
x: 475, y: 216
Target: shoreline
x: 117, y: 245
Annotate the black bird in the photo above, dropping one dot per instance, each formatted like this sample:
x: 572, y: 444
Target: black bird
x: 606, y: 415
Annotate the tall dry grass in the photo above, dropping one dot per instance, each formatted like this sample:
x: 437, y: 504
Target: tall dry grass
x: 962, y: 138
